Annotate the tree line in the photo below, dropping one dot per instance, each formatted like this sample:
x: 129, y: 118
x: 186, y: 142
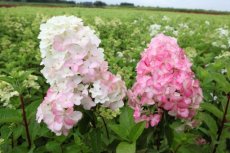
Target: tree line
x: 84, y: 4
x: 102, y: 4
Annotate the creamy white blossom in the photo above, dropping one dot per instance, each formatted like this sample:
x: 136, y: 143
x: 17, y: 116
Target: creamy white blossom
x: 154, y: 29
x: 165, y: 18
x: 75, y: 68
x: 6, y: 93
x: 223, y: 32
x: 207, y: 22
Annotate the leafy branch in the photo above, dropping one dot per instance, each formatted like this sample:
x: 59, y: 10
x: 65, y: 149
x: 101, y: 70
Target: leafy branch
x: 222, y: 124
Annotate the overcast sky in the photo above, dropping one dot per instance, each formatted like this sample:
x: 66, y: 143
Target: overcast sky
x: 222, y: 5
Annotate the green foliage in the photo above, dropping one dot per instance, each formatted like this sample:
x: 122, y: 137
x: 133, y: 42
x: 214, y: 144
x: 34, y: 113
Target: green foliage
x: 125, y: 147
x: 212, y: 109
x: 124, y: 34
x: 127, y: 129
x: 9, y: 115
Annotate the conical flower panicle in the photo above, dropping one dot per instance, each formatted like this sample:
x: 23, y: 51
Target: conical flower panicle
x: 164, y: 81
x: 75, y: 68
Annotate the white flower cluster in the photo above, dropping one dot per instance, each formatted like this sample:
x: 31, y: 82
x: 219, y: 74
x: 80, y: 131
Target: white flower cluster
x: 224, y: 54
x: 75, y: 68
x: 222, y: 36
x: 207, y: 22
x: 223, y: 32
x: 99, y: 21
x: 6, y: 93
x: 191, y: 53
x: 154, y: 29
x: 165, y: 18
x: 30, y: 82
x: 183, y: 26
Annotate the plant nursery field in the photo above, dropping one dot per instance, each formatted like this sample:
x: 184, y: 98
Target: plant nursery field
x: 124, y: 33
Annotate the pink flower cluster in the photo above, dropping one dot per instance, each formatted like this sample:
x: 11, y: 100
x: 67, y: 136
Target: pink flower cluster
x: 75, y: 68
x: 164, y: 82
x: 57, y: 112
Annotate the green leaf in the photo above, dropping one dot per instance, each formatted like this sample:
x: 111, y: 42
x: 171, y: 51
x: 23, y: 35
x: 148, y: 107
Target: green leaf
x: 191, y: 148
x: 119, y: 131
x: 96, y: 141
x: 34, y: 129
x: 221, y: 82
x: 7, y: 79
x: 53, y: 146
x: 127, y: 129
x: 126, y: 125
x: 17, y: 131
x: 77, y: 147
x: 84, y: 124
x: 227, y: 124
x: 204, y: 75
x: 205, y: 131
x: 21, y: 148
x: 211, y: 123
x: 136, y: 131
x: 228, y: 72
x: 125, y: 147
x: 9, y: 116
x: 32, y: 149
x: 126, y: 119
x: 5, y: 132
x: 72, y: 148
x: 212, y: 109
x: 169, y: 135
x: 31, y: 109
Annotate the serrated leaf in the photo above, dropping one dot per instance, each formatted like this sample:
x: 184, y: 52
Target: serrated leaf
x: 212, y: 109
x: 125, y: 147
x: 210, y: 122
x: 205, y: 131
x: 221, y: 82
x: 7, y: 79
x: 204, y: 75
x: 9, y: 116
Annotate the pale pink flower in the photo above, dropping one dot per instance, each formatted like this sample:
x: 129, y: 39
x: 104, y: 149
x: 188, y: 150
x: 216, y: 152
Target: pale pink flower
x: 154, y: 119
x: 57, y: 112
x: 109, y: 91
x: 164, y: 81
